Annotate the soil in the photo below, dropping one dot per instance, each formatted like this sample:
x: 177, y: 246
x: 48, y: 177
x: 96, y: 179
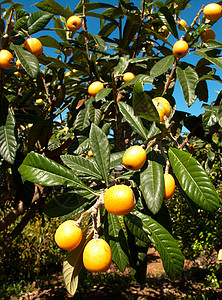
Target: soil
x: 157, y: 285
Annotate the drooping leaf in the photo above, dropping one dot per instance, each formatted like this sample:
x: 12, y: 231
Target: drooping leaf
x: 193, y: 179
x: 188, y: 79
x: 117, y: 242
x: 95, y: 114
x: 107, y: 29
x: 82, y: 120
x: 101, y: 151
x: 211, y: 55
x: 102, y: 94
x: 152, y: 185
x: 59, y: 28
x: 8, y: 142
x: 65, y: 203
x: 59, y: 9
x: 162, y: 66
x: 134, y: 121
x: 143, y: 105
x: 81, y: 165
x: 122, y: 65
x: 168, y: 20
x: 28, y: 61
x: 38, y: 20
x: 39, y: 169
x: 49, y: 41
x: 171, y: 256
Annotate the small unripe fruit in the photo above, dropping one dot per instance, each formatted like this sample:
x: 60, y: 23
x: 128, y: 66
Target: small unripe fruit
x: 180, y: 49
x: 207, y: 34
x: 212, y: 11
x: 163, y: 31
x: 134, y: 157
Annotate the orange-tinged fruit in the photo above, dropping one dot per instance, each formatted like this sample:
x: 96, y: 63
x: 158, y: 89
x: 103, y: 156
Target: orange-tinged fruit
x: 128, y: 76
x: 119, y: 200
x: 97, y: 255
x: 212, y: 11
x: 68, y: 235
x: 39, y: 101
x: 162, y: 106
x: 90, y: 154
x: 134, y: 157
x: 182, y: 24
x: 95, y: 87
x: 169, y: 186
x: 34, y: 46
x: 6, y: 59
x: 207, y: 34
x: 163, y: 31
x: 74, y: 23
x: 180, y: 49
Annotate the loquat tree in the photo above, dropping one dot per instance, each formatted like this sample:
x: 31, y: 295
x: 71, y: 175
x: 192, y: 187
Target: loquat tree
x: 90, y: 97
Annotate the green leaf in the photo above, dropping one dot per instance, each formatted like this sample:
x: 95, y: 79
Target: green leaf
x: 211, y: 55
x: 134, y: 121
x: 143, y: 105
x: 168, y: 20
x: 58, y: 9
x: 38, y: 20
x: 65, y: 203
x: 193, y: 179
x: 116, y: 159
x: 8, y: 142
x: 102, y: 94
x: 59, y: 29
x: 82, y: 119
x: 171, y: 256
x: 101, y: 151
x: 117, y: 242
x: 152, y: 185
x: 81, y: 165
x: 28, y: 61
x: 162, y: 66
x: 95, y: 114
x: 43, y: 5
x: 188, y: 79
x: 92, y: 6
x: 122, y: 65
x: 139, y: 78
x: 41, y: 170
x: 49, y: 41
x: 107, y: 29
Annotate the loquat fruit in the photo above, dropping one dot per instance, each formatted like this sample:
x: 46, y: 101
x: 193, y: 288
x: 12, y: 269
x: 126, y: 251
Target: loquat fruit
x: 34, y: 46
x: 74, y: 23
x: 6, y: 59
x: 95, y: 87
x: 212, y: 11
x: 180, y: 49
x: 134, y: 157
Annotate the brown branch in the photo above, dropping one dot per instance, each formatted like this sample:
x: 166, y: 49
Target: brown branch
x: 170, y: 78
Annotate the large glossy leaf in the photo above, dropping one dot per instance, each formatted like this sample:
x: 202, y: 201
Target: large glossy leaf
x: 134, y: 121
x: 81, y: 165
x: 143, y: 105
x: 193, y: 179
x: 171, y: 256
x: 59, y: 9
x: 122, y: 65
x: 59, y: 28
x: 188, y: 79
x: 28, y: 61
x: 168, y: 20
x: 63, y: 204
x: 38, y: 20
x: 139, y: 78
x: 211, y: 55
x: 49, y: 41
x: 152, y: 184
x: 116, y: 159
x: 101, y: 151
x: 39, y: 169
x: 107, y: 29
x: 162, y: 66
x: 95, y: 114
x: 8, y: 142
x: 118, y: 243
x: 102, y: 94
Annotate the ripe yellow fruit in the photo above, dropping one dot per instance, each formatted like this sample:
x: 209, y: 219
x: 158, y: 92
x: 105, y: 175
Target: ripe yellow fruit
x: 182, y: 24
x: 119, y: 200
x: 207, y: 34
x: 97, y: 255
x: 68, y: 236
x: 74, y: 23
x: 34, y: 46
x: 212, y: 11
x: 39, y: 101
x: 163, y: 31
x: 6, y: 59
x: 95, y: 87
x: 128, y: 76
x: 90, y: 154
x: 134, y: 157
x: 180, y: 49
x: 169, y: 186
x: 162, y: 106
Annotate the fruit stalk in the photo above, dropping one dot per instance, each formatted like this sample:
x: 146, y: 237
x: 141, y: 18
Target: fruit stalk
x: 170, y: 78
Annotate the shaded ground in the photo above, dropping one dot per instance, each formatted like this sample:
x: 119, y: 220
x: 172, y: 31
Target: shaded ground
x: 157, y: 285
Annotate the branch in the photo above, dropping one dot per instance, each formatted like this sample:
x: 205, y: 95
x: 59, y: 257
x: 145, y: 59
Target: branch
x: 170, y: 78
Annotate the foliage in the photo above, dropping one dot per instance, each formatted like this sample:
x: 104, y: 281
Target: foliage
x: 44, y: 162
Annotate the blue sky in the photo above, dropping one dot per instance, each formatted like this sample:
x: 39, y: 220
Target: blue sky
x: 188, y: 15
